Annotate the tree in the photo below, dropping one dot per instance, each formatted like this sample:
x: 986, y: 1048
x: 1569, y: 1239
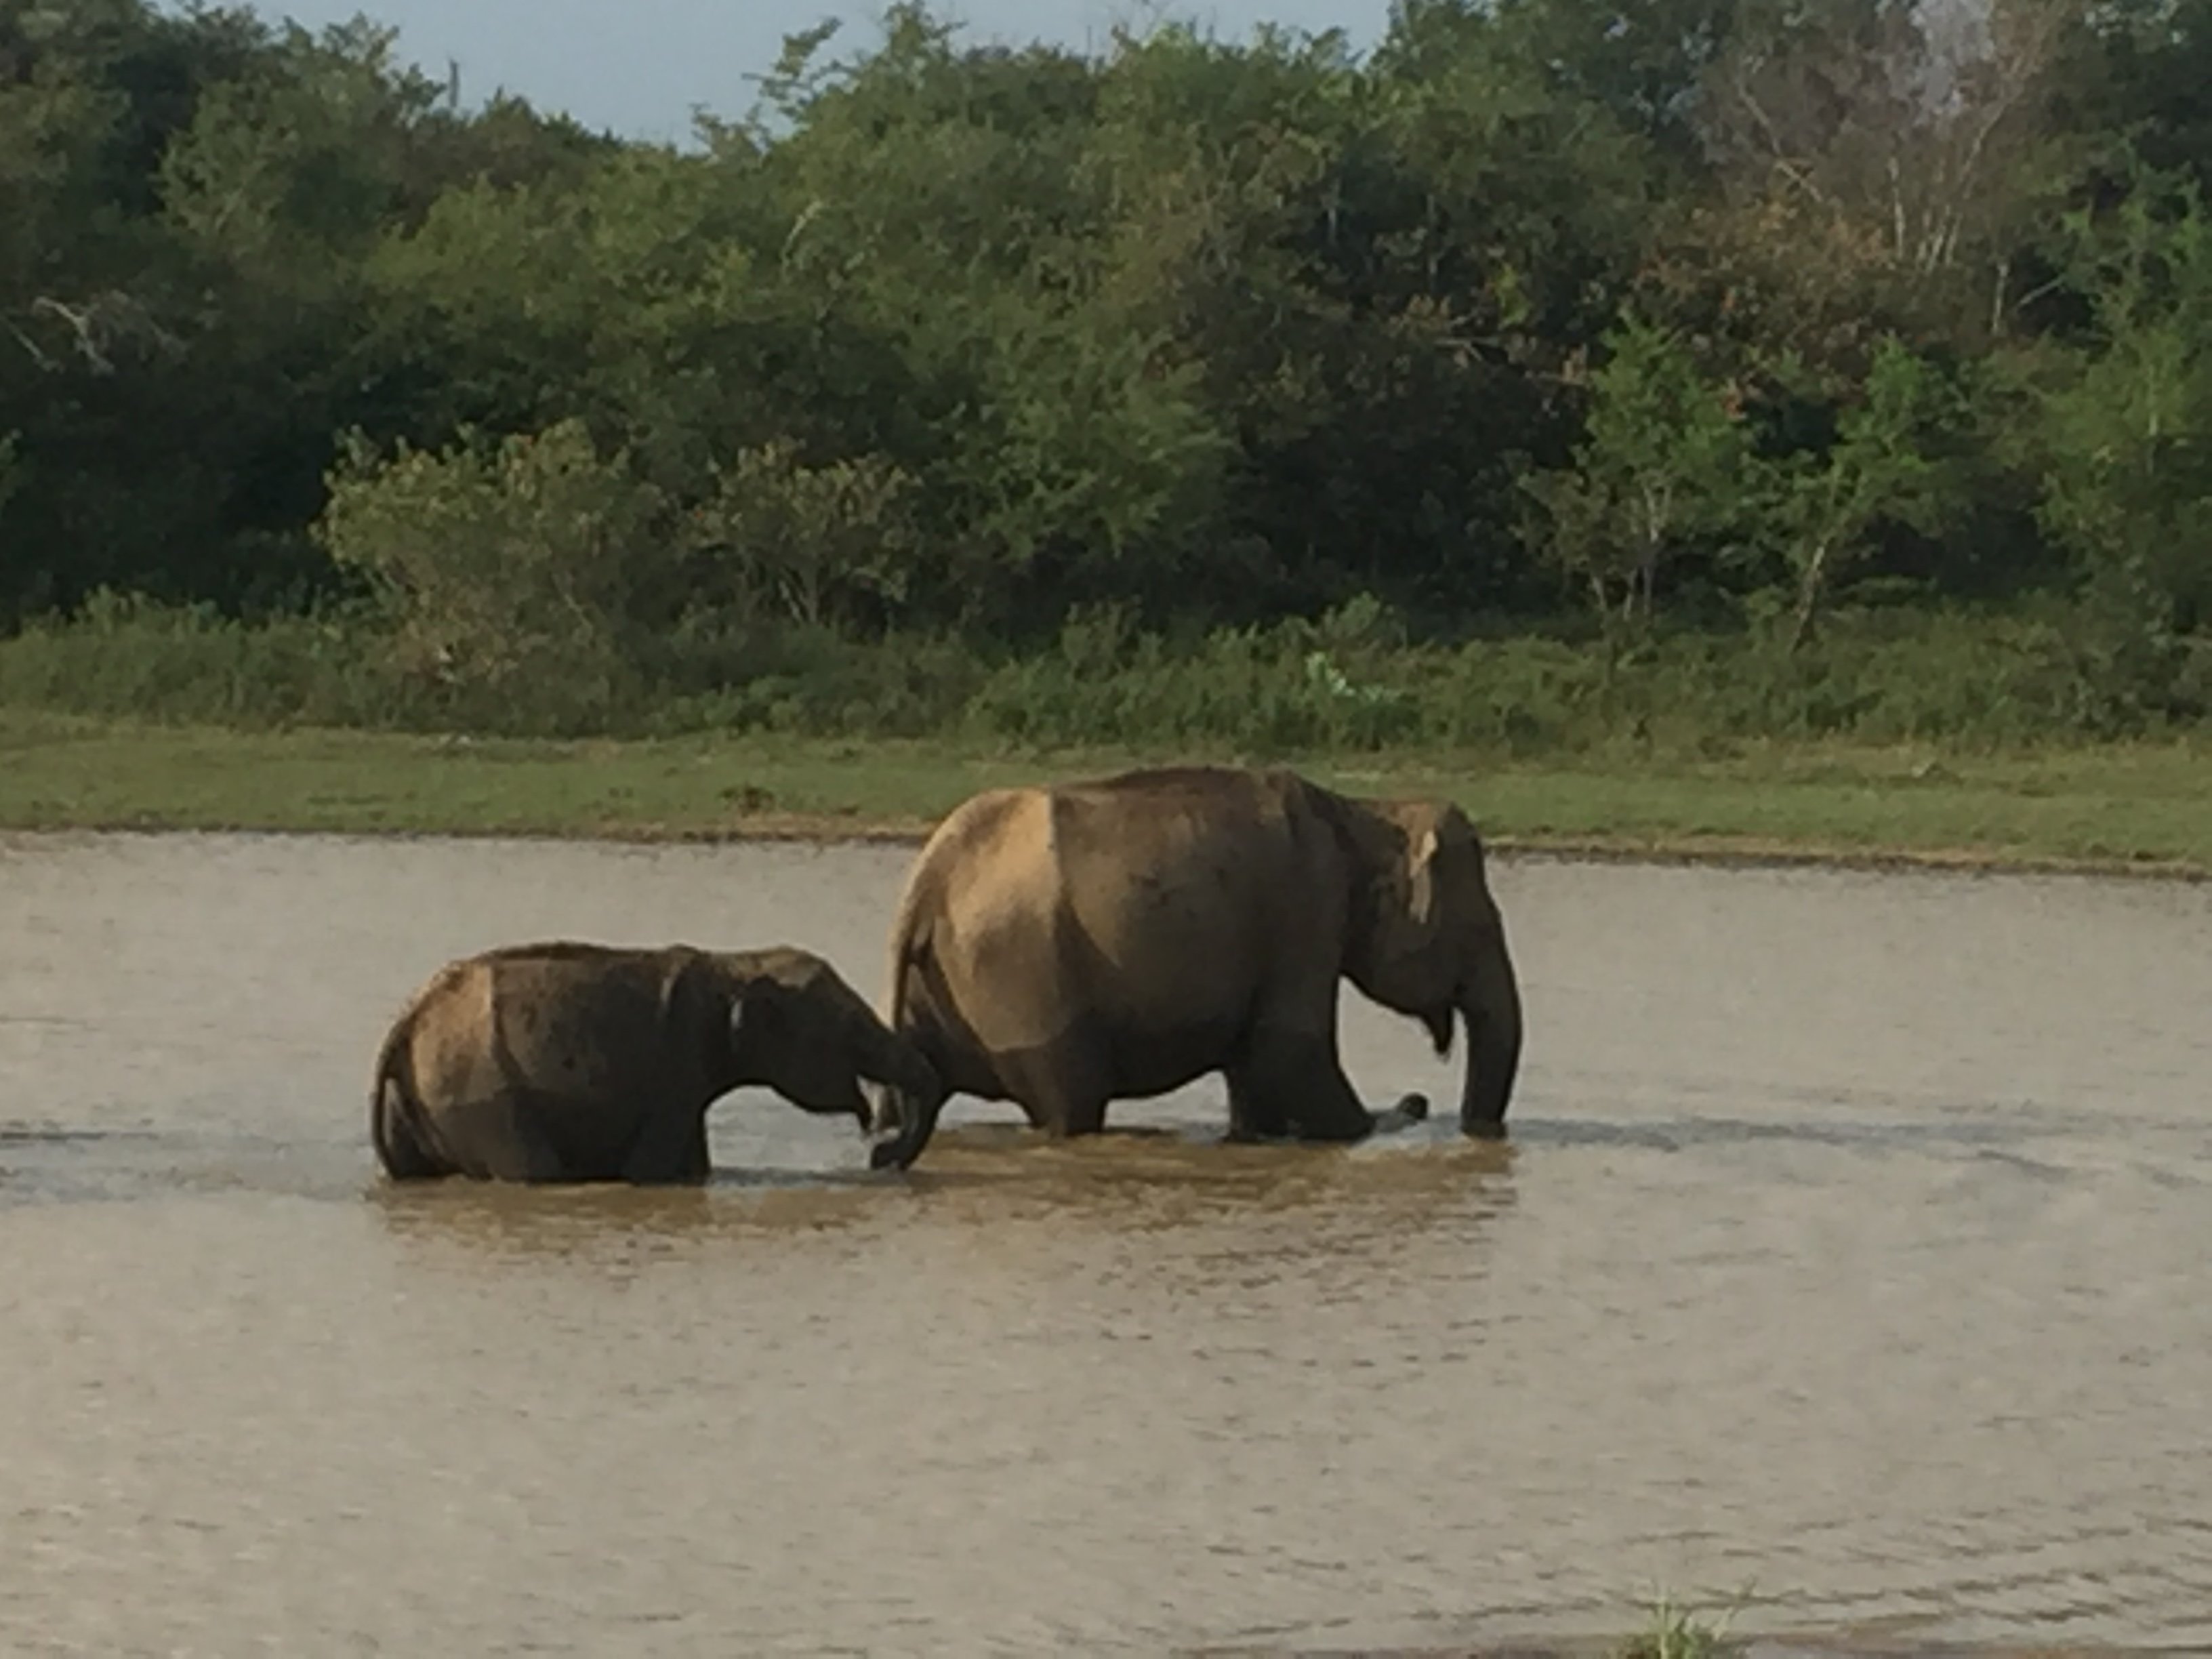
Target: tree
x: 955, y: 209
x: 816, y: 541
x: 1640, y: 65
x: 1883, y: 467
x: 1883, y: 148
x: 2130, y: 76
x: 1663, y: 459
x: 2122, y: 426
x: 184, y: 203
x: 522, y: 560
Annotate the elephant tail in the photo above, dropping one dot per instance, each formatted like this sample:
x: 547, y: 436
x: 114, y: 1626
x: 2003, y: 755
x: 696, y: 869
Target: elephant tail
x: 910, y: 947
x: 395, y: 1110
x: 910, y: 1121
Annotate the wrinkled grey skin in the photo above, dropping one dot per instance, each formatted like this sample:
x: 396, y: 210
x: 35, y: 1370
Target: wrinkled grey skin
x: 566, y: 1062
x: 1112, y: 939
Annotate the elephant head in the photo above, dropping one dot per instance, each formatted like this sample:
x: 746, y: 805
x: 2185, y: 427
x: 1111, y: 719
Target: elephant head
x: 1425, y: 939
x: 798, y: 1028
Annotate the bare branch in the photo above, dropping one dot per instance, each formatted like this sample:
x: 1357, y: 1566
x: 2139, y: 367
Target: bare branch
x: 95, y: 327
x: 31, y: 347
x: 1909, y: 139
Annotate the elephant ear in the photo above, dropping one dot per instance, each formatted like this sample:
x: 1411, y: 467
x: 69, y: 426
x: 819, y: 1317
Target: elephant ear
x: 1437, y: 845
x: 748, y: 1016
x: 1421, y: 846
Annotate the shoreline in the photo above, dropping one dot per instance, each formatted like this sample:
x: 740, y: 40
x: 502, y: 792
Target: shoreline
x: 833, y: 830
x: 1725, y: 853
x: 2139, y: 811
x: 837, y: 830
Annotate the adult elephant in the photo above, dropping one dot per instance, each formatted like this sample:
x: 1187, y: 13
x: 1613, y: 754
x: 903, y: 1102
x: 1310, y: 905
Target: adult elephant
x: 568, y: 1061
x: 1063, y: 947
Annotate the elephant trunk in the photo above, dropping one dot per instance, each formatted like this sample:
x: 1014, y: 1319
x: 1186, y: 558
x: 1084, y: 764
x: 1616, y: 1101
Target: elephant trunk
x: 1491, y: 1005
x: 902, y: 1112
x: 905, y: 1119
x: 899, y: 1065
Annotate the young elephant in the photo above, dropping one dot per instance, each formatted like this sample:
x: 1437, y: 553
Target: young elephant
x: 564, y: 1061
x: 1067, y: 946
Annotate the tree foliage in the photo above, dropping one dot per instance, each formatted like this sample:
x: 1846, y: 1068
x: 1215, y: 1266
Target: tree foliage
x: 1552, y: 312
x: 2122, y: 428
x: 1663, y: 459
x: 503, y: 561
x: 1886, y: 466
x: 815, y: 544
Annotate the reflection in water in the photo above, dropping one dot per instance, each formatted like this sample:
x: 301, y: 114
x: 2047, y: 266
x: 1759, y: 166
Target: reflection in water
x: 1153, y: 1177
x: 1850, y: 1243
x: 986, y: 1176
x: 563, y: 1221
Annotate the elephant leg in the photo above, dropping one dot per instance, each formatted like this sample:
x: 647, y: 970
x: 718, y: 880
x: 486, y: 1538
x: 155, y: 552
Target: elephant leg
x: 517, y: 1148
x: 1063, y: 1089
x: 1253, y: 1115
x: 1410, y: 1108
x: 1297, y: 1084
x: 670, y: 1147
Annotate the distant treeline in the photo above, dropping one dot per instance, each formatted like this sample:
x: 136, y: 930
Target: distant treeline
x: 1766, y: 324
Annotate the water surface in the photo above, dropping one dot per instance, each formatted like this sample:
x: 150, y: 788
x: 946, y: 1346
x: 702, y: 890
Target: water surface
x: 1851, y: 1245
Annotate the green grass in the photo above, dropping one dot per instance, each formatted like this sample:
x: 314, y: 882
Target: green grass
x: 1976, y: 738
x: 2146, y: 807
x: 1674, y: 1630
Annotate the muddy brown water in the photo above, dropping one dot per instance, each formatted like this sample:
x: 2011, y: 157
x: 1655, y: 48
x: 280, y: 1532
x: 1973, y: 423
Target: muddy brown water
x: 1853, y: 1245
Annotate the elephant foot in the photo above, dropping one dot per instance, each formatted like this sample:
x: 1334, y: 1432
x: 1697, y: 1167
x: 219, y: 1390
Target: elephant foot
x: 1243, y: 1135
x: 1410, y: 1109
x: 895, y: 1151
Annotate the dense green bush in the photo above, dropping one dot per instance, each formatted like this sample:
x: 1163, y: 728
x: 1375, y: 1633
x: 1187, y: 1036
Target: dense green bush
x: 124, y: 656
x: 1342, y: 685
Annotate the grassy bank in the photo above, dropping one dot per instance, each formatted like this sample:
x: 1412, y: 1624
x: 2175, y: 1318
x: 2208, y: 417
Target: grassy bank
x: 2141, y: 806
x: 1972, y: 738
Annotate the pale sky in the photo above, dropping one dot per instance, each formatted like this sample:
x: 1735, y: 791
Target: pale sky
x: 639, y: 66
